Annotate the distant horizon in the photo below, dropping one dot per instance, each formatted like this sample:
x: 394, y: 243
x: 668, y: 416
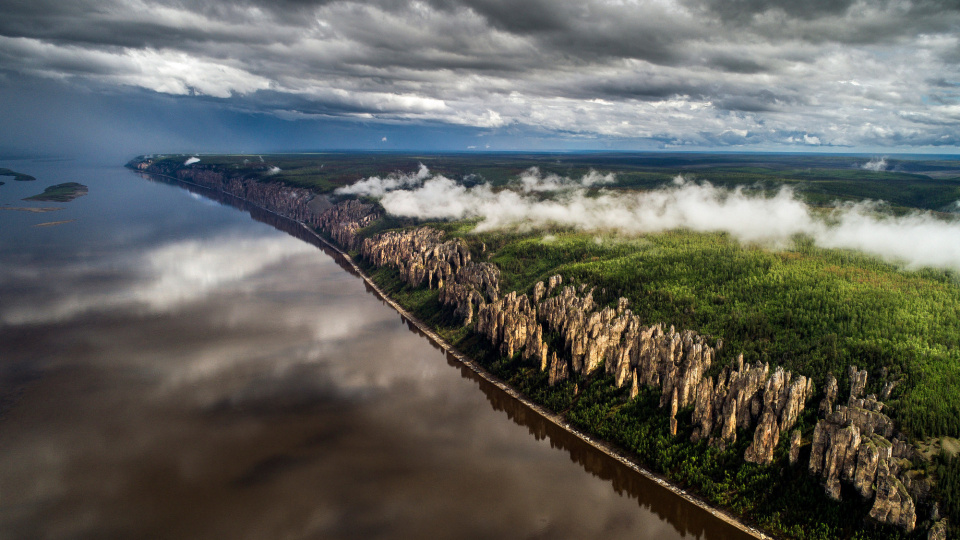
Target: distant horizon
x: 408, y: 152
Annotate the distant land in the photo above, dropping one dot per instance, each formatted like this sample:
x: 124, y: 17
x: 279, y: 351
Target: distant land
x: 60, y: 193
x: 777, y: 334
x: 16, y: 176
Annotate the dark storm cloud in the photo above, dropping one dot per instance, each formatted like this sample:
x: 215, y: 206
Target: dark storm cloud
x: 533, y: 16
x: 744, y: 10
x: 747, y: 72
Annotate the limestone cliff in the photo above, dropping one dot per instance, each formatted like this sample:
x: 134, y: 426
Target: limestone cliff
x: 853, y: 443
x: 287, y: 201
x: 858, y: 444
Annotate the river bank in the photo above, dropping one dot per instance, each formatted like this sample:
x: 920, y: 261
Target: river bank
x: 557, y: 420
x: 175, y: 368
x: 407, y: 264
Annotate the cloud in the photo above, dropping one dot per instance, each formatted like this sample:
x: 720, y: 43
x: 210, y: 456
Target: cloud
x: 917, y: 240
x: 533, y: 180
x: 165, y: 71
x: 378, y: 187
x: 875, y: 165
x: 695, y: 73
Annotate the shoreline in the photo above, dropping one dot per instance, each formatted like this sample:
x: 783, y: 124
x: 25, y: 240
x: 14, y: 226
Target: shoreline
x: 602, y: 446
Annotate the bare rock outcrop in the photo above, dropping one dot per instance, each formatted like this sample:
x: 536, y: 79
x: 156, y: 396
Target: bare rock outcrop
x: 893, y: 504
x: 673, y: 412
x: 795, y: 439
x: 938, y: 531
x: 857, y: 443
x: 858, y: 382
x: 420, y: 255
x: 507, y: 322
x: 292, y: 202
x: 830, y: 391
x: 676, y: 363
x: 783, y: 400
x: 703, y: 415
x: 558, y: 369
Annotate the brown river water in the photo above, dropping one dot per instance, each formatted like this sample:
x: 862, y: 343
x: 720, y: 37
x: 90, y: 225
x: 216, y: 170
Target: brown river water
x: 172, y: 368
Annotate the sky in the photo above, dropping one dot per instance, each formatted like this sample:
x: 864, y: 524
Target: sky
x: 124, y: 77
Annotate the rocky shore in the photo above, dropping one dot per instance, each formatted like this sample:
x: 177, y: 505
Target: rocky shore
x: 853, y: 444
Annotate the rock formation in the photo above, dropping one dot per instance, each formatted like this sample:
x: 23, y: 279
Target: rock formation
x: 938, y: 531
x: 674, y: 362
x: 343, y: 221
x: 795, y: 439
x: 858, y: 444
x: 854, y: 443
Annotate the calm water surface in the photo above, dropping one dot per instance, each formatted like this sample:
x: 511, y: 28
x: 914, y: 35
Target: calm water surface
x: 172, y: 368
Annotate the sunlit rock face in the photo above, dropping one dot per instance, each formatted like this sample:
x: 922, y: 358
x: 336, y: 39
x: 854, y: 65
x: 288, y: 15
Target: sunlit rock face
x: 858, y: 444
x: 173, y: 369
x: 852, y: 443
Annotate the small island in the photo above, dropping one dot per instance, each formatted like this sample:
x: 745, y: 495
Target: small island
x: 20, y: 177
x: 61, y: 193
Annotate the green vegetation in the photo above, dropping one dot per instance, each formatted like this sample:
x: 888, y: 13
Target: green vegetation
x: 814, y: 311
x: 928, y: 183
x: 60, y: 193
x: 779, y: 498
x: 948, y: 486
x: 20, y: 177
x: 808, y: 309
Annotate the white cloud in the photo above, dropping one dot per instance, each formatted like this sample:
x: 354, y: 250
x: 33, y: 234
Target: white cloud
x: 874, y: 74
x: 875, y: 164
x: 916, y: 240
x: 533, y: 180
x: 165, y: 71
x: 377, y: 187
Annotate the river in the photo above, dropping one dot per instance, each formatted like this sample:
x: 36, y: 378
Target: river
x: 172, y: 368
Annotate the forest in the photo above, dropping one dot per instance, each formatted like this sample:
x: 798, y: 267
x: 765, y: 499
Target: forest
x: 813, y: 310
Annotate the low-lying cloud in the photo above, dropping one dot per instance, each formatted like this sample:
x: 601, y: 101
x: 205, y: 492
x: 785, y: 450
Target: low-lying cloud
x: 916, y: 240
x: 378, y: 187
x: 875, y: 165
x: 533, y: 180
